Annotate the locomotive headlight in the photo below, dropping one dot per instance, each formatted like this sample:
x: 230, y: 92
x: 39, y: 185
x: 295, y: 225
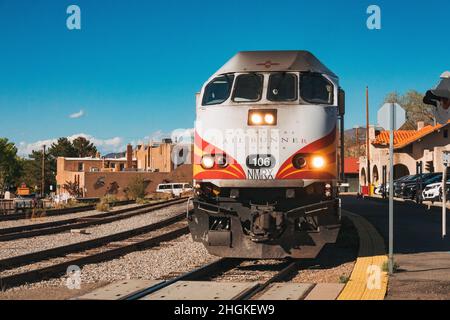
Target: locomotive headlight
x: 207, y: 162
x: 269, y: 118
x: 256, y: 118
x: 318, y: 162
x: 262, y: 117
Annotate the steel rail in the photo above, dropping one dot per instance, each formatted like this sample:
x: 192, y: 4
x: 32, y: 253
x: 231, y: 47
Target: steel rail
x: 47, y: 228
x: 279, y: 276
x: 29, y: 258
x: 57, y: 212
x: 60, y: 268
x: 211, y: 269
x: 205, y: 271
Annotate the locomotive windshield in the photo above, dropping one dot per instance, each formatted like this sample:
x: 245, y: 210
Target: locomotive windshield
x: 248, y: 88
x: 282, y: 87
x: 315, y: 88
x: 218, y: 90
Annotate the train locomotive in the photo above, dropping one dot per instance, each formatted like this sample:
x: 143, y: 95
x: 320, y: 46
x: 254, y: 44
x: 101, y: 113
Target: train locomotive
x: 266, y: 157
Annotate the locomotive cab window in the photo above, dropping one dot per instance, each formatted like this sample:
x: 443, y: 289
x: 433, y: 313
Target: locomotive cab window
x: 248, y: 88
x: 218, y: 90
x: 282, y: 87
x: 315, y: 88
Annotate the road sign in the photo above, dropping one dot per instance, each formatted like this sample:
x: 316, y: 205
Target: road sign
x: 391, y: 116
x: 446, y: 158
x: 384, y: 116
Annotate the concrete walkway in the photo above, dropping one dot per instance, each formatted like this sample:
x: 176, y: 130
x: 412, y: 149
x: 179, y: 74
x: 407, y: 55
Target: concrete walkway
x: 419, y: 250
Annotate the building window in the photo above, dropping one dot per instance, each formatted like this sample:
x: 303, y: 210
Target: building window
x: 80, y: 166
x: 113, y: 165
x: 445, y: 133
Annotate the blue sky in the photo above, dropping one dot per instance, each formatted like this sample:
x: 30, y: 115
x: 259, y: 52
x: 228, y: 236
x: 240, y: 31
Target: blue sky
x: 134, y: 67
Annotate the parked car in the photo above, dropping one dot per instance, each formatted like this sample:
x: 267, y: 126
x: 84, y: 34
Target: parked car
x: 175, y: 189
x: 410, y: 187
x: 433, y: 191
x: 398, y: 184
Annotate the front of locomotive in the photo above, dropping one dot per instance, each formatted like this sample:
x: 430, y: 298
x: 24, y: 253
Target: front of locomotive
x: 265, y: 155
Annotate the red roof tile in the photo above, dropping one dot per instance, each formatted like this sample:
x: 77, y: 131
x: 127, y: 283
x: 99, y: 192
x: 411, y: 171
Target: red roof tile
x: 402, y: 138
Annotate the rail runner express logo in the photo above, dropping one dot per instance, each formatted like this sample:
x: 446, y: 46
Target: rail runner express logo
x: 260, y: 149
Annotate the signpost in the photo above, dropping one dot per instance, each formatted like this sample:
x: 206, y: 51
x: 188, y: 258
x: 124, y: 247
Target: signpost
x: 392, y: 116
x: 446, y: 163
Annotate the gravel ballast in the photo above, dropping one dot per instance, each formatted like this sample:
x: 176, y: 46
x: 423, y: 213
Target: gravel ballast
x: 334, y: 264
x: 28, y: 245
x: 170, y: 258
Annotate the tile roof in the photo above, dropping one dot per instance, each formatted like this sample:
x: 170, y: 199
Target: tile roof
x: 402, y: 138
x: 351, y: 165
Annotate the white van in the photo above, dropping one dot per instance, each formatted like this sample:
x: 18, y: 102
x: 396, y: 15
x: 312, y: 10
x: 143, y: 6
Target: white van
x: 174, y: 188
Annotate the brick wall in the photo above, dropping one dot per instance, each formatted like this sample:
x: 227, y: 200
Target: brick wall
x: 96, y: 184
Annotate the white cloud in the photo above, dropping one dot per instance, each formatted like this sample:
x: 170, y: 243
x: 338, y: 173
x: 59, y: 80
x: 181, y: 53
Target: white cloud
x: 108, y: 145
x: 115, y: 144
x: 77, y: 115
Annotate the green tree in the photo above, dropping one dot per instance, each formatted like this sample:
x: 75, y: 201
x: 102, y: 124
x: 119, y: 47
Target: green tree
x: 416, y: 110
x: 32, y: 171
x: 10, y: 167
x: 32, y: 167
x: 84, y: 148
x: 62, y: 148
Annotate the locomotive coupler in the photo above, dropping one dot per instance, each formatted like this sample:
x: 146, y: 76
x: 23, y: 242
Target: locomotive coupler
x: 265, y: 222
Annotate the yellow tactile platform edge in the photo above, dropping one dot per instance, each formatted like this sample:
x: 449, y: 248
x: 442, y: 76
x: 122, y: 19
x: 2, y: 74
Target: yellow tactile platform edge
x: 368, y: 281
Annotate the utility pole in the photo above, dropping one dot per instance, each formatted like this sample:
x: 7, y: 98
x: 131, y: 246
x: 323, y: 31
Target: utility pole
x: 43, y: 172
x: 357, y: 140
x: 342, y: 155
x: 367, y: 139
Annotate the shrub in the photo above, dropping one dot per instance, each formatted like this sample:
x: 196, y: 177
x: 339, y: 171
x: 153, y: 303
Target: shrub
x: 105, y: 203
x: 343, y: 279
x: 103, y: 207
x: 136, y: 188
x: 385, y: 266
x: 143, y: 201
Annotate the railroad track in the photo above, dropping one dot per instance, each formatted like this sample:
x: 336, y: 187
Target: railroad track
x: 57, y: 212
x: 219, y: 269
x: 46, y: 228
x: 54, y: 262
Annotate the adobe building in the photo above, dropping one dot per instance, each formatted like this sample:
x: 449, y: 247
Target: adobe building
x: 99, y: 176
x: 155, y: 157
x: 413, y: 149
x: 351, y: 174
